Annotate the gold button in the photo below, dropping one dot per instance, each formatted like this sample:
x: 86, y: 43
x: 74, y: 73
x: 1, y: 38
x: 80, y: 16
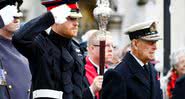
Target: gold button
x: 5, y: 72
x: 9, y: 86
x: 29, y: 90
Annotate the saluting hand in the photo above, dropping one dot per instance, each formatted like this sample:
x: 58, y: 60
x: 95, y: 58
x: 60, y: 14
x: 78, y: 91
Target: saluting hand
x: 60, y: 13
x: 8, y: 13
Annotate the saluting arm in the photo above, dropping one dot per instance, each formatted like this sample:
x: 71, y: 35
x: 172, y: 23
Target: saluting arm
x: 34, y: 27
x: 23, y: 38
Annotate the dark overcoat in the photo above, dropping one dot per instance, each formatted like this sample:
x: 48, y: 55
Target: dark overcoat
x: 127, y: 81
x: 178, y: 92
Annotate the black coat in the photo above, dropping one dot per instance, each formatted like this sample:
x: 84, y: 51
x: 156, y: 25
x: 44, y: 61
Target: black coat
x: 53, y: 60
x: 127, y: 81
x: 179, y: 90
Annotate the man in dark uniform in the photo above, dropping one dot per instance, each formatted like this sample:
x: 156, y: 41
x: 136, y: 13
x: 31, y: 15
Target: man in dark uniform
x: 135, y: 77
x: 56, y: 68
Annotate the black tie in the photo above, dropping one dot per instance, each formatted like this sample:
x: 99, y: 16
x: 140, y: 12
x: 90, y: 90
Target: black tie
x: 147, y: 72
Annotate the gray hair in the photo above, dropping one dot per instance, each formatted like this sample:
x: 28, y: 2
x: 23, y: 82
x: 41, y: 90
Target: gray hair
x: 94, y: 37
x: 86, y: 36
x: 174, y: 57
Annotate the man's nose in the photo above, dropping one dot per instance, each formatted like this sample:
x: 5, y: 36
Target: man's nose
x: 109, y: 47
x: 154, y: 46
x: 76, y: 23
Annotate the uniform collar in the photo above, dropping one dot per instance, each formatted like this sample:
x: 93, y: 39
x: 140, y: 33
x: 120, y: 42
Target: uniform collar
x: 59, y: 40
x: 138, y: 60
x: 97, y: 67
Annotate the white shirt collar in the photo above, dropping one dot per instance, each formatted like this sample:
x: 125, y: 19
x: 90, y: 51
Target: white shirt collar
x: 95, y: 65
x: 98, y: 68
x: 138, y: 60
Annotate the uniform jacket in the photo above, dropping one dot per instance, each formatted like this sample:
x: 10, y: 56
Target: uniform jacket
x: 53, y: 60
x: 16, y: 70
x: 127, y: 81
x: 86, y: 90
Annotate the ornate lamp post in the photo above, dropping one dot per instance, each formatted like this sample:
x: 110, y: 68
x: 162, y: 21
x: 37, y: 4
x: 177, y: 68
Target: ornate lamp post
x: 102, y: 13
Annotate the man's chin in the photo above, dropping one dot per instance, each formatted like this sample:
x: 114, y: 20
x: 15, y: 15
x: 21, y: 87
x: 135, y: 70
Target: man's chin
x: 11, y: 31
x: 152, y: 58
x: 75, y: 34
x: 109, y: 61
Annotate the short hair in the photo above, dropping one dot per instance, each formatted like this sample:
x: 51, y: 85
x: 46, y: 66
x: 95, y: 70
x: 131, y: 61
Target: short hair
x: 94, y: 38
x: 86, y: 36
x: 174, y: 57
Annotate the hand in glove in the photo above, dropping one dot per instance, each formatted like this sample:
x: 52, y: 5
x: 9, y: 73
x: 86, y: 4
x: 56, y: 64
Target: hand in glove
x: 60, y: 13
x: 8, y: 13
x: 97, y: 84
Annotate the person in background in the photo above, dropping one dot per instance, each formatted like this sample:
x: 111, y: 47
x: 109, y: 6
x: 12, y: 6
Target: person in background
x: 83, y: 43
x: 177, y: 60
x: 14, y: 67
x: 124, y: 50
x: 118, y: 55
x: 178, y: 92
x: 135, y: 77
x: 57, y: 70
x: 94, y: 80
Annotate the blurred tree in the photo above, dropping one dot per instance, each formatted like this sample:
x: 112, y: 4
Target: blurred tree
x: 142, y: 2
x: 87, y: 22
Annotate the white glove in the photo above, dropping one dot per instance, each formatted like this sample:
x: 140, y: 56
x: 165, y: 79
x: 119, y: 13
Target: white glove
x: 8, y: 13
x: 97, y: 84
x: 60, y: 13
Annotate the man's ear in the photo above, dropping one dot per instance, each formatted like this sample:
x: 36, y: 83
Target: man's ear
x: 89, y: 48
x: 134, y: 43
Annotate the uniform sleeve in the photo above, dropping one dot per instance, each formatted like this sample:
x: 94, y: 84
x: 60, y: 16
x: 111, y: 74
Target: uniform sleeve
x: 24, y: 37
x: 114, y: 86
